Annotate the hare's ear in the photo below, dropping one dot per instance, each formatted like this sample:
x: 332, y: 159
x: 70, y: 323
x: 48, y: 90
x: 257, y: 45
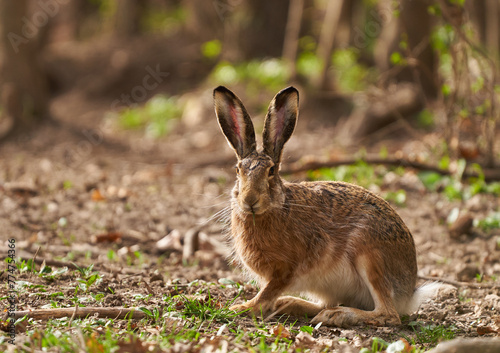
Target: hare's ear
x: 234, y: 122
x: 280, y: 122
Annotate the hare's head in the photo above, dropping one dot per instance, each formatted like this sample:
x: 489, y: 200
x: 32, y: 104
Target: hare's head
x: 258, y: 186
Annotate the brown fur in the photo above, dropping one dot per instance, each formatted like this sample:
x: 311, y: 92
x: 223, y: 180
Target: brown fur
x: 335, y: 242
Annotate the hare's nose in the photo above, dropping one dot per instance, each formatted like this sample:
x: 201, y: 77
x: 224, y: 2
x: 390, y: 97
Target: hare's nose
x: 251, y: 204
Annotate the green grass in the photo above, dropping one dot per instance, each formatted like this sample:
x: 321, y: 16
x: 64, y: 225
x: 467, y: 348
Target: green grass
x: 492, y: 221
x: 270, y: 74
x: 157, y: 117
x: 432, y: 334
x: 361, y: 173
x: 456, y: 189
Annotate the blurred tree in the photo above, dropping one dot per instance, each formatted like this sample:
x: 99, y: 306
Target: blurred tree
x: 291, y: 40
x: 23, y: 84
x: 205, y: 18
x: 127, y: 17
x: 409, y: 33
x: 263, y: 33
x: 325, y: 45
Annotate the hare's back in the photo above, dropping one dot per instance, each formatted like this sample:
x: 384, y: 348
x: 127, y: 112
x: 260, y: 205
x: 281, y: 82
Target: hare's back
x: 344, y: 203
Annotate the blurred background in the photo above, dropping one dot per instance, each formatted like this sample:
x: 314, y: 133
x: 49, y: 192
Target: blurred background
x: 111, y: 155
x: 367, y: 70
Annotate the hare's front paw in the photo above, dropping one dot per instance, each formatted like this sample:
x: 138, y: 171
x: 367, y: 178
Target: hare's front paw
x: 251, y: 308
x: 345, y: 317
x: 239, y: 308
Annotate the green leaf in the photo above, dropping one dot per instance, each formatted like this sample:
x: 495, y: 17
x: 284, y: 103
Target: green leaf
x: 396, y: 58
x: 426, y: 118
x: 307, y: 329
x: 430, y: 179
x: 146, y: 311
x: 211, y: 49
x: 444, y: 163
x: 446, y: 90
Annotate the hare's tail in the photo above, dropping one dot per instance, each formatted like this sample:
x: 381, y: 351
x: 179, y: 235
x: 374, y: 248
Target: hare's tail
x: 426, y: 291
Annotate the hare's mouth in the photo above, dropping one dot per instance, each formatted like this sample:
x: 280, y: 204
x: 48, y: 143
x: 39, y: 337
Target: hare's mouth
x: 251, y: 208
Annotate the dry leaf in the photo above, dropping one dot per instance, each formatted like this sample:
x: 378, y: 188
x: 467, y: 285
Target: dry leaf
x: 93, y: 345
x: 135, y: 346
x: 97, y: 196
x: 280, y: 331
x: 110, y: 237
x: 304, y: 340
x: 484, y: 330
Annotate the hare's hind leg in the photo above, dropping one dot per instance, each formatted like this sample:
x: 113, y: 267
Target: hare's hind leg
x: 384, y: 314
x: 296, y: 307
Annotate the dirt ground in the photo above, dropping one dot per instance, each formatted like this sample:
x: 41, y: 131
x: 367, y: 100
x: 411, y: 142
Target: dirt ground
x: 75, y: 189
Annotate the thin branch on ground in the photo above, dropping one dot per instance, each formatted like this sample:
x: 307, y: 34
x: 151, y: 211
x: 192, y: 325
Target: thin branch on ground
x: 81, y: 313
x: 74, y: 266
x: 461, y: 284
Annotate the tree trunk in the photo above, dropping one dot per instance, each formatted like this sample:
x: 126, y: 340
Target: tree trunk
x: 415, y: 21
x: 492, y: 29
x: 23, y: 84
x: 127, y: 17
x: 291, y: 42
x: 325, y: 45
x: 206, y: 18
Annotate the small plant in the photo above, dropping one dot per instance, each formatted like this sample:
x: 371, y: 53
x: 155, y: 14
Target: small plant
x: 492, y: 221
x: 205, y: 308
x: 351, y: 76
x: 361, y: 173
x: 49, y: 274
x: 26, y: 266
x: 378, y: 345
x: 397, y: 197
x: 453, y: 186
x: 85, y: 284
x: 211, y: 49
x: 432, y: 334
x: 154, y: 314
x: 270, y: 74
x: 111, y: 255
x: 85, y: 271
x: 157, y: 117
x: 307, y: 329
x: 89, y: 277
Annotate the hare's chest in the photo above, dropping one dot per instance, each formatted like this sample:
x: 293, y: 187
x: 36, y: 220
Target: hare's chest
x: 260, y: 253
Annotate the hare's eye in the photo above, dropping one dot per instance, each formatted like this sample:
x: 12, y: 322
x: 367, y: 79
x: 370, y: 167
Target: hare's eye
x: 237, y: 170
x: 271, y: 171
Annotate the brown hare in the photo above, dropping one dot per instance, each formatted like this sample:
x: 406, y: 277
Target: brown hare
x: 333, y: 242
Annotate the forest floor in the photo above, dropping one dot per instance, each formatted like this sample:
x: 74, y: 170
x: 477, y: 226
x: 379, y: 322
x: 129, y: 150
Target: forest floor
x: 82, y: 192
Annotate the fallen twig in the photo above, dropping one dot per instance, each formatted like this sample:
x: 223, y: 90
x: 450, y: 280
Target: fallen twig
x: 73, y: 266
x: 48, y: 262
x: 460, y: 284
x: 81, y: 313
x: 466, y: 345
